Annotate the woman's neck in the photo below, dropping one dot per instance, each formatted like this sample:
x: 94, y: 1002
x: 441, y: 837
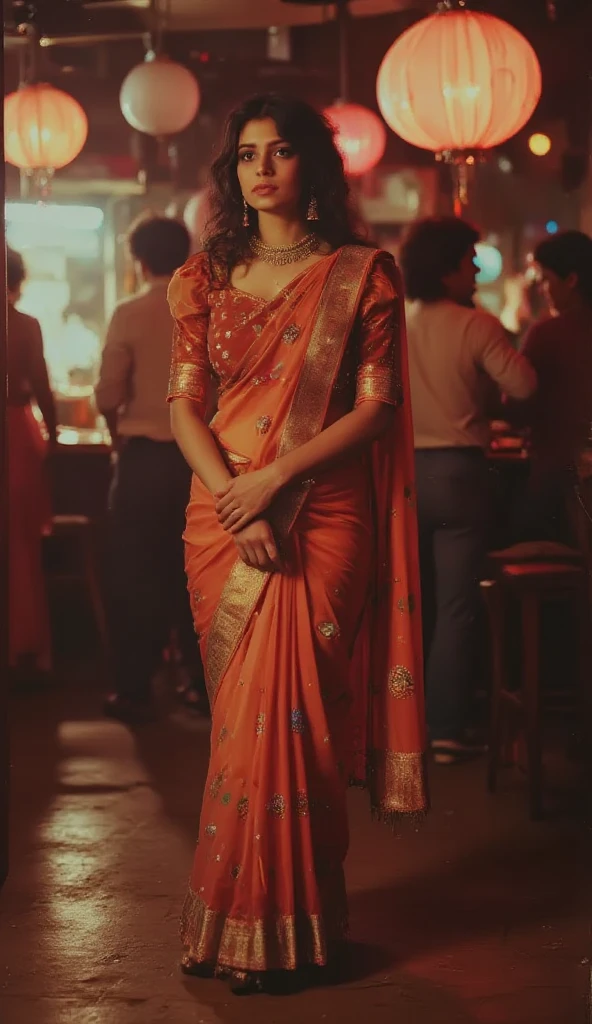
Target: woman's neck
x: 280, y: 231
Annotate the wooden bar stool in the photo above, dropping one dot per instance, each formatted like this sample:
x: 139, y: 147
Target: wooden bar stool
x: 530, y: 580
x: 77, y: 534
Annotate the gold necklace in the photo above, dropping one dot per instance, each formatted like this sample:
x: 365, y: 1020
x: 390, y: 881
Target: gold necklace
x: 281, y: 255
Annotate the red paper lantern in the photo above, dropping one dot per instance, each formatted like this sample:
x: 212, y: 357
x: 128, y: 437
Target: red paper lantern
x: 361, y: 136
x: 44, y: 128
x: 459, y: 80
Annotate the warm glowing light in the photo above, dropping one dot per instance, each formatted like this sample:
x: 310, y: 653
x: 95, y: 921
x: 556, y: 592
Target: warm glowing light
x: 82, y: 218
x: 539, y: 144
x: 361, y: 136
x: 459, y: 80
x: 44, y: 128
x: 159, y: 96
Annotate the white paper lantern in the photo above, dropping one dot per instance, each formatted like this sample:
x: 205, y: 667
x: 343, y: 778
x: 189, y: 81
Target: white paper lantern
x: 159, y: 97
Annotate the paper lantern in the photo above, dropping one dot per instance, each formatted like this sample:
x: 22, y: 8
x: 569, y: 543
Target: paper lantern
x: 361, y: 136
x: 195, y: 215
x: 159, y: 97
x: 44, y: 128
x: 459, y: 80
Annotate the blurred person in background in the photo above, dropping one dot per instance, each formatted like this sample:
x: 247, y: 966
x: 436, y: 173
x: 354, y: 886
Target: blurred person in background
x: 559, y: 415
x: 29, y: 506
x: 147, y: 584
x: 455, y: 352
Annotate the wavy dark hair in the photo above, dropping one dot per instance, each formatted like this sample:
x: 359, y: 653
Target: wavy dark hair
x: 322, y: 174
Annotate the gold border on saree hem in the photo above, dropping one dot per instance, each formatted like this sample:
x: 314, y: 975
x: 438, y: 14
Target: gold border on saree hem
x: 280, y: 942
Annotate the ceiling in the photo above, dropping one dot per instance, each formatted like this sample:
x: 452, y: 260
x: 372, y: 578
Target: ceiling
x: 235, y: 14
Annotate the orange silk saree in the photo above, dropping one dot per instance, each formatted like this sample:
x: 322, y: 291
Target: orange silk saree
x: 314, y: 674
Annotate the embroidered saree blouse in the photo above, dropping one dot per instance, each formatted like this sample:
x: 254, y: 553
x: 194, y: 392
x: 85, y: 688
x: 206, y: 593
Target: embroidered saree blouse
x: 214, y: 325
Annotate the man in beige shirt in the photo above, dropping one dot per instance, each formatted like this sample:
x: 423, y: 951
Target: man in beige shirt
x: 148, y: 593
x: 456, y: 354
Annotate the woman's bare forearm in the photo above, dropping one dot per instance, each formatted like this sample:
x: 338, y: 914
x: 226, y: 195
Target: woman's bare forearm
x: 358, y: 428
x: 198, y: 445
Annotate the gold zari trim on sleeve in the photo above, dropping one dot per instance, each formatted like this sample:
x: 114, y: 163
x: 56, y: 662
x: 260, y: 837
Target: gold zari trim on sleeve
x: 186, y: 381
x: 376, y: 384
x: 245, y: 585
x: 282, y: 942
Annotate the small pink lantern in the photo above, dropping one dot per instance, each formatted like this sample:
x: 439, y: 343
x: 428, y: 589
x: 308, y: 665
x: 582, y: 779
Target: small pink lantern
x: 195, y: 216
x: 361, y: 136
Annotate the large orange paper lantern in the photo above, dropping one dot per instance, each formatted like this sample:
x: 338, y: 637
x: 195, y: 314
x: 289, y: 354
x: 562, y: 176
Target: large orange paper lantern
x: 361, y: 136
x: 457, y: 81
x: 44, y: 128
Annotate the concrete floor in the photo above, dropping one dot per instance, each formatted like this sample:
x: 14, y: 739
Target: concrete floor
x: 480, y: 918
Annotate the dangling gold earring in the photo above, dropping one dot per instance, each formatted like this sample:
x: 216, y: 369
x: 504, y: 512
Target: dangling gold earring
x: 313, y: 210
x: 245, y: 214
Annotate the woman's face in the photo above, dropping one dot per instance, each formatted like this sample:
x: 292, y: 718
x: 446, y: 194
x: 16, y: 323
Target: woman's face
x: 268, y: 169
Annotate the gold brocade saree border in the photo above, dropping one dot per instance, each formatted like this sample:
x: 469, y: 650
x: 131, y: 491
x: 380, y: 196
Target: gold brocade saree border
x: 280, y: 942
x: 397, y: 784
x: 337, y: 309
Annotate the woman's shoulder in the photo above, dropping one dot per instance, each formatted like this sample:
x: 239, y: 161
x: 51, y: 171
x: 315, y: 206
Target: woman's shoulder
x: 192, y: 282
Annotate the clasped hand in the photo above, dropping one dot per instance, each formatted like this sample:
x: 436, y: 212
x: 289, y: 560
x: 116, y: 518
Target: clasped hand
x: 245, y: 498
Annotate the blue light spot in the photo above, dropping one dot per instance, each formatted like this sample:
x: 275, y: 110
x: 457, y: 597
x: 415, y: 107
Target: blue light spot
x: 490, y: 263
x: 552, y: 227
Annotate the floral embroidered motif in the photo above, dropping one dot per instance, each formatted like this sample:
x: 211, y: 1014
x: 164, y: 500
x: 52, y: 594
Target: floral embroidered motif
x: 226, y: 798
x: 223, y: 734
x: 236, y: 871
x: 291, y: 334
x: 301, y: 803
x: 226, y: 354
x: 216, y: 785
x: 277, y: 805
x: 243, y: 807
x: 329, y: 630
x: 210, y: 831
x: 257, y: 328
x: 260, y: 726
x: 257, y: 381
x: 228, y: 334
x: 400, y: 682
x: 263, y: 424
x: 297, y: 720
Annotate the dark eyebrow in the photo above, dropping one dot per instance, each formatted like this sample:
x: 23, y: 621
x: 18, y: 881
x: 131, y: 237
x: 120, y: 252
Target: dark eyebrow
x: 253, y: 145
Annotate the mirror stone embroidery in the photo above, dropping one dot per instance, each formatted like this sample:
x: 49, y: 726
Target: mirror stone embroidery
x: 291, y: 334
x: 277, y: 805
x: 297, y: 720
x: 400, y: 682
x: 243, y: 807
x: 328, y: 629
x: 210, y: 831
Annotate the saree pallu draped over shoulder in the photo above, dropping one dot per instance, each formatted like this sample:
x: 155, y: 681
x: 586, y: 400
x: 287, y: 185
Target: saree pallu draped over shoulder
x: 314, y: 673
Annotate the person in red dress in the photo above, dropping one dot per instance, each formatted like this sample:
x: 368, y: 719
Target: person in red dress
x: 559, y: 414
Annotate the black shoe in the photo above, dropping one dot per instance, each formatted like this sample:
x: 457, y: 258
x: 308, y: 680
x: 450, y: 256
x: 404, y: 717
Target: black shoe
x: 131, y: 712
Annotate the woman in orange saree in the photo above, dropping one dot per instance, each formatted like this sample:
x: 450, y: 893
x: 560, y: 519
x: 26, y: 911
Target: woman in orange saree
x: 301, y: 548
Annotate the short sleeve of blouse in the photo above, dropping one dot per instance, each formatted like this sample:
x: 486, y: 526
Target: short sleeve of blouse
x: 188, y: 301
x: 380, y: 318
